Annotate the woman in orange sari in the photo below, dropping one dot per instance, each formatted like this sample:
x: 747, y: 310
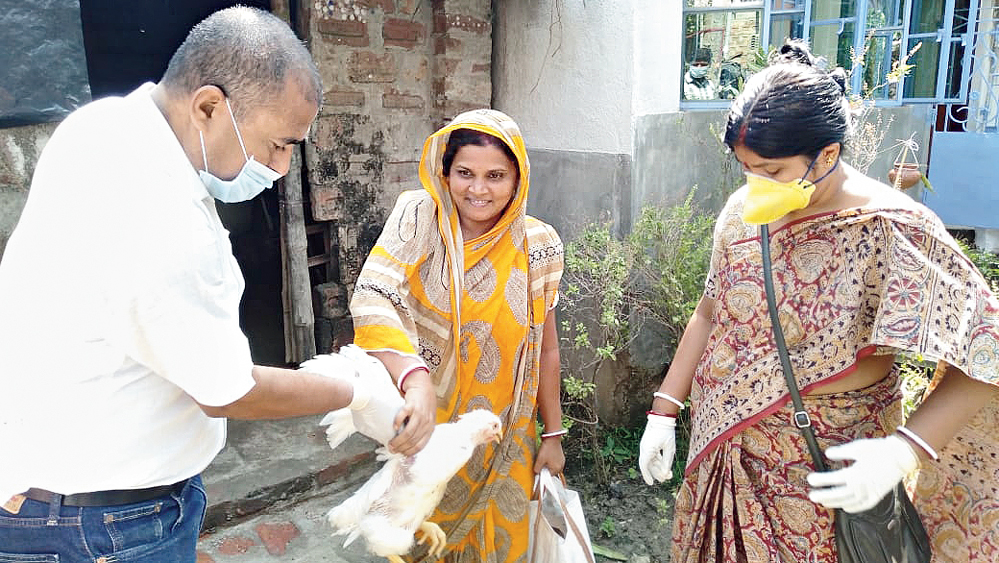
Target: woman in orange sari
x: 861, y: 273
x: 457, y: 301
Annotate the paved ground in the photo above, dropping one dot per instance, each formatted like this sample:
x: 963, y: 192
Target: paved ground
x: 286, y: 532
x: 269, y: 490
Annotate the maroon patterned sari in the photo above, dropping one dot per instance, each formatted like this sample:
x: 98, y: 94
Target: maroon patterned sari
x: 848, y: 284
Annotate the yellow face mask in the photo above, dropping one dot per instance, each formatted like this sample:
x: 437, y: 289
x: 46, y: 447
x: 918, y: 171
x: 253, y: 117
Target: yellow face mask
x: 768, y: 200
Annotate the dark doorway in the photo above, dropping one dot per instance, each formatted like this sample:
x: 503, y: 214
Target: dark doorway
x: 255, y: 231
x: 129, y: 43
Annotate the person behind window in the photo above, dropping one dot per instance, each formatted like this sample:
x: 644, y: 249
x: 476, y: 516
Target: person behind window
x: 697, y: 85
x: 862, y: 273
x: 730, y: 79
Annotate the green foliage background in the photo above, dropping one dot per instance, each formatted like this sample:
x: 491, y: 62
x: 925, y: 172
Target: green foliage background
x: 613, y: 290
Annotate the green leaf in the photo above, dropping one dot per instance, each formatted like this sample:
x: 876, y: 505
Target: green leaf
x: 609, y: 553
x: 926, y: 182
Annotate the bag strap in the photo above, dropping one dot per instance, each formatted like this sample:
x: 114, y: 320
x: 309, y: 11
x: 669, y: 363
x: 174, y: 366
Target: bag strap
x: 800, y: 417
x: 548, y: 485
x: 583, y: 542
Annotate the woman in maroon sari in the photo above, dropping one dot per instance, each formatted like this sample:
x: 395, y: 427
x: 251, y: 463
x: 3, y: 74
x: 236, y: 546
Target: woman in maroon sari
x: 861, y: 274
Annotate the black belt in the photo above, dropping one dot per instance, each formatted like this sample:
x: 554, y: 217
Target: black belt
x: 105, y: 498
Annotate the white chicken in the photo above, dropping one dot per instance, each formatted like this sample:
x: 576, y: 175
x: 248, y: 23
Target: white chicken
x: 397, y: 500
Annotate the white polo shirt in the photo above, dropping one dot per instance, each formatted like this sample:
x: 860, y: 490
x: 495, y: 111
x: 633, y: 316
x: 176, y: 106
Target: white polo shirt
x: 119, y: 308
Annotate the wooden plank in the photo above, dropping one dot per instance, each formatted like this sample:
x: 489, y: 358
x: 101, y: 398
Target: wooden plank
x: 300, y: 334
x: 319, y: 260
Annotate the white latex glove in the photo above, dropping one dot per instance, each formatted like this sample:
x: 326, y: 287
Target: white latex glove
x: 376, y: 399
x: 878, y: 466
x: 656, y: 450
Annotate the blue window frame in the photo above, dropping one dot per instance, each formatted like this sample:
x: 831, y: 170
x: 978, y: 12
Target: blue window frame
x: 869, y: 36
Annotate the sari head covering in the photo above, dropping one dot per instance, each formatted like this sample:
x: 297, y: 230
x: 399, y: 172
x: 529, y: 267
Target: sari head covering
x: 473, y: 312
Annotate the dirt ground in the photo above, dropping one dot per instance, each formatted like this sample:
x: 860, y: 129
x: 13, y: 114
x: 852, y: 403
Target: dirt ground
x: 627, y: 517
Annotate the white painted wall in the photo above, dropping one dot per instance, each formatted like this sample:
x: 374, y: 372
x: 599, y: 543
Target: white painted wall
x: 658, y: 25
x: 575, y: 75
x: 564, y: 70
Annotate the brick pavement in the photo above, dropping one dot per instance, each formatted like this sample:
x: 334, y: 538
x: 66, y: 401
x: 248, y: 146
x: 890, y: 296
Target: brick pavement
x: 290, y: 531
x: 269, y: 491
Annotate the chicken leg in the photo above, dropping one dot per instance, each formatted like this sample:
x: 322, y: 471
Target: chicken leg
x: 433, y: 534
x: 436, y: 537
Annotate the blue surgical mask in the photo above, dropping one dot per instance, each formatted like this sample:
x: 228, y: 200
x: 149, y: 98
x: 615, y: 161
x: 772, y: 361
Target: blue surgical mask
x: 252, y: 179
x: 698, y: 71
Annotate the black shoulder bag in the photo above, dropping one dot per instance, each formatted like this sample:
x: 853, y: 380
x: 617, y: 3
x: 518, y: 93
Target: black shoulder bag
x: 891, y: 531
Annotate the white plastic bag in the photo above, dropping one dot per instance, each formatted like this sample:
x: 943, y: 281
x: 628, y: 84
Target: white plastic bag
x: 558, y: 528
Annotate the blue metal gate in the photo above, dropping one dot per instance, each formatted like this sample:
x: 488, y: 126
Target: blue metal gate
x: 964, y: 151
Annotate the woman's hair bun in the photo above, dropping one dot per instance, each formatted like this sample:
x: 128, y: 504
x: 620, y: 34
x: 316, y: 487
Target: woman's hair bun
x: 839, y: 75
x: 794, y: 51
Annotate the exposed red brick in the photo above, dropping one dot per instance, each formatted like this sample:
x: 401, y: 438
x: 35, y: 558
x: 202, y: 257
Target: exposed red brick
x: 343, y: 98
x: 402, y: 33
x: 344, y: 32
x: 276, y: 536
x: 348, y: 41
x: 481, y: 67
x: 396, y: 100
x: 326, y: 200
x: 330, y: 474
x: 204, y: 558
x: 443, y: 44
x: 365, y: 66
x: 236, y: 545
x: 439, y: 90
x: 408, y: 6
x: 440, y: 22
x: 450, y: 65
x: 350, y: 28
x: 387, y: 6
x: 454, y: 107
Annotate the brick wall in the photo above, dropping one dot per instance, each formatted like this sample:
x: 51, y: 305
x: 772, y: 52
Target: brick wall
x: 393, y: 71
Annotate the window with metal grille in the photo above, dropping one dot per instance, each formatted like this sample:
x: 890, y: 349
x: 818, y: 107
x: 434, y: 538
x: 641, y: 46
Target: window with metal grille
x: 871, y: 39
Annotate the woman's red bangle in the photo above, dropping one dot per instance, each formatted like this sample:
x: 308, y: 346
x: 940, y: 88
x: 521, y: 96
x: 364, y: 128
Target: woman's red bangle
x: 405, y: 374
x: 661, y: 414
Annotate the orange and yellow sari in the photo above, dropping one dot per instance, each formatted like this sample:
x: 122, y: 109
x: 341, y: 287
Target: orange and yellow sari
x: 473, y: 311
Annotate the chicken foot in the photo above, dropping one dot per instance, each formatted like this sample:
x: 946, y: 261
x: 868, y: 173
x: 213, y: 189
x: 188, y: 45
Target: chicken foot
x: 436, y: 537
x: 433, y: 534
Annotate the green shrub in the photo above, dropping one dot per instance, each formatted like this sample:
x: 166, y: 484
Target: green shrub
x: 986, y: 262
x: 613, y: 288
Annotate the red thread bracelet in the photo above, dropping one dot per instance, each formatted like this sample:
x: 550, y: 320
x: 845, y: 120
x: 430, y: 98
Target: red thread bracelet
x: 661, y: 414
x: 405, y: 374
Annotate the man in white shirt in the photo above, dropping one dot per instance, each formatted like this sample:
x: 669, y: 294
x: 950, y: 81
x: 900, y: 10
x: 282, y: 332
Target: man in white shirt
x: 120, y: 348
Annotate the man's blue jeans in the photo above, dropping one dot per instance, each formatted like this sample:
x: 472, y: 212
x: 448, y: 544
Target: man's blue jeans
x: 160, y: 530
